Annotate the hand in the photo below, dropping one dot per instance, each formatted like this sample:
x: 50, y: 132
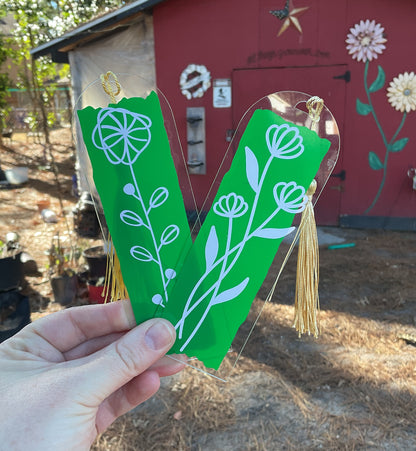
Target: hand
x: 66, y: 377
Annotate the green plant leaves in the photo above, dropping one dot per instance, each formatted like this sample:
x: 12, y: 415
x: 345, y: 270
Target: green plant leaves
x: 379, y: 81
x: 374, y: 161
x: 363, y: 108
x: 398, y: 145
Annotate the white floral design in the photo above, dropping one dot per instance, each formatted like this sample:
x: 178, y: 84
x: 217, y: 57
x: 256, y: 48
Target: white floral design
x: 290, y: 197
x: 121, y: 134
x: 284, y: 141
x: 230, y: 206
x: 401, y: 92
x: 366, y: 41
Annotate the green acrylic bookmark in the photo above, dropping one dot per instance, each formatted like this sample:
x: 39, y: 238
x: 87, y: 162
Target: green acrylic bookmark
x: 205, y: 289
x: 135, y: 176
x: 253, y: 211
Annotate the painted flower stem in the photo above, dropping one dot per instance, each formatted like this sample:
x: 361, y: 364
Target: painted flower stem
x: 237, y: 248
x: 399, y: 128
x: 373, y: 112
x: 226, y: 255
x: 283, y: 142
x: 383, y: 180
x: 148, y: 225
x: 224, y: 270
x: 216, y: 286
x: 387, y: 144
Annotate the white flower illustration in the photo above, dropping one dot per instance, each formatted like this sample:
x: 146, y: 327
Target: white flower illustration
x: 290, y: 197
x: 402, y: 92
x: 365, y: 41
x: 230, y: 206
x: 284, y: 141
x: 121, y: 134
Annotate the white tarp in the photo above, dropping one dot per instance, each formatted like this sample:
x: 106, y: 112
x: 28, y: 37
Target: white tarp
x: 130, y: 55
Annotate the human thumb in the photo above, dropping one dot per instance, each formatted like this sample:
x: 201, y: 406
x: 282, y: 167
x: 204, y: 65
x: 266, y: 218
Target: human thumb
x: 107, y: 370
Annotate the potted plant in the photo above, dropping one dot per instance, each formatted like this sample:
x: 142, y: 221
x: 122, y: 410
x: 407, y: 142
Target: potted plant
x: 97, y: 291
x: 11, y: 267
x: 63, y: 277
x: 14, y: 307
x: 96, y: 259
x: 14, y: 313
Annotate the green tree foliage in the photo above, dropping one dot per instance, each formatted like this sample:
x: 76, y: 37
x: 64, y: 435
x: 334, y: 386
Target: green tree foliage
x: 4, y: 84
x: 37, y: 22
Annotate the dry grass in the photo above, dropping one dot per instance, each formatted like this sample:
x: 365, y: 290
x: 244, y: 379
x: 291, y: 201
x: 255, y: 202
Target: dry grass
x: 196, y: 405
x: 352, y: 389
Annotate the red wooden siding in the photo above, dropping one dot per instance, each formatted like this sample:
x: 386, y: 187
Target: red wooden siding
x: 234, y: 35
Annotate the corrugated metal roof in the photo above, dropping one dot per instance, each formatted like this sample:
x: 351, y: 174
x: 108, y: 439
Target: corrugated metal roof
x: 58, y: 48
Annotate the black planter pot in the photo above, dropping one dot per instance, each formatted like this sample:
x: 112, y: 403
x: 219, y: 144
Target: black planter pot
x: 64, y: 288
x: 85, y: 218
x: 96, y: 260
x: 14, y: 313
x: 11, y: 272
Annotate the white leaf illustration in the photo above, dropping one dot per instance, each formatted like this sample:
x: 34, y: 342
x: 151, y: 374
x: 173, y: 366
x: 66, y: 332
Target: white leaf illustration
x: 131, y: 218
x: 211, y: 248
x: 232, y: 293
x: 252, y: 169
x: 158, y: 197
x: 273, y: 233
x: 169, y: 235
x: 141, y: 253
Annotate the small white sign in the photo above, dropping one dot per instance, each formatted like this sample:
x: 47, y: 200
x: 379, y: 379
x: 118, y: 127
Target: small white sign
x: 222, y: 93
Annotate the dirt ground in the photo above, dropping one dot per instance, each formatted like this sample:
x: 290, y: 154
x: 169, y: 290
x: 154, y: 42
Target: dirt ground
x: 353, y: 388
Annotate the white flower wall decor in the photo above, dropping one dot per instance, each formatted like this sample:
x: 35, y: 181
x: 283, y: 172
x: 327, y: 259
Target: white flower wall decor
x: 365, y: 42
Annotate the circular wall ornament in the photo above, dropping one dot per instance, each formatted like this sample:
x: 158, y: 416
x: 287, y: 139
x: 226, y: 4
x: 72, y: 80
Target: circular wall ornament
x: 194, y: 81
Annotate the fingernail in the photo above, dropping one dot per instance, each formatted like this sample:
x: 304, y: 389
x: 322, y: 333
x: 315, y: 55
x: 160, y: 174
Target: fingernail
x: 160, y: 335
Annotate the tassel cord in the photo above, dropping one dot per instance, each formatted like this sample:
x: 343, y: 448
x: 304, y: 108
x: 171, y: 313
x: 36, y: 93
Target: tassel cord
x: 307, y: 277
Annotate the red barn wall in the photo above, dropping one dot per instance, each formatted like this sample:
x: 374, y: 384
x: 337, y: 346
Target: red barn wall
x: 238, y: 40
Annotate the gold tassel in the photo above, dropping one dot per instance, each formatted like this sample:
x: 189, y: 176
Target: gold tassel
x: 114, y: 287
x: 109, y: 81
x: 307, y: 277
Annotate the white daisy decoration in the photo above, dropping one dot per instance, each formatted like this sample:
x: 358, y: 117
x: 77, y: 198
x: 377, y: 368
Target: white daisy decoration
x: 365, y: 41
x: 402, y: 92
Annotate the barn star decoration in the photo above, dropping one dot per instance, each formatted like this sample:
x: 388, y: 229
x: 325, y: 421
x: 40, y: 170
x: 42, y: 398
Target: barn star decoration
x: 289, y: 16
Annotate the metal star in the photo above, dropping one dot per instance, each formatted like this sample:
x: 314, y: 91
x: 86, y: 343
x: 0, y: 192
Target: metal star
x: 281, y: 13
x: 291, y: 19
